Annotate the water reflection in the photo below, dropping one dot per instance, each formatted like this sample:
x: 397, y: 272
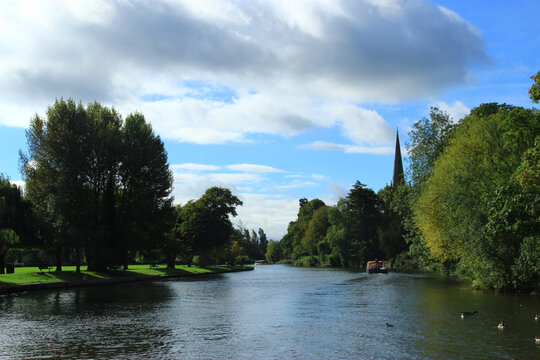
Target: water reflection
x: 273, y: 312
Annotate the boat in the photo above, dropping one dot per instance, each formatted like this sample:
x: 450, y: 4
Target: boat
x: 376, y: 267
x: 261, y: 262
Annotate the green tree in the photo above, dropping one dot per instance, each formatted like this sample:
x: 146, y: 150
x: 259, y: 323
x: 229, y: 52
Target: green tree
x: 354, y: 225
x: 98, y: 184
x: 511, y: 241
x: 54, y: 172
x: 316, y: 230
x: 451, y: 212
x: 394, y: 209
x: 206, y: 221
x: 534, y: 90
x: 263, y: 240
x: 273, y: 251
x: 299, y: 228
x: 15, y: 215
x: 146, y: 215
x: 427, y: 141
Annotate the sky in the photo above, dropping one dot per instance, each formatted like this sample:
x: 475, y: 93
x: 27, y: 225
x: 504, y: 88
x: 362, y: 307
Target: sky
x: 276, y: 100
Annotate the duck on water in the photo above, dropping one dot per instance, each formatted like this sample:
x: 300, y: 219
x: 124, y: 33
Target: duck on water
x: 465, y: 314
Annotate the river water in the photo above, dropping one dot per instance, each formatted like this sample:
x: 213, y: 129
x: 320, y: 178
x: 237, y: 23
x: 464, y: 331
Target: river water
x: 273, y: 312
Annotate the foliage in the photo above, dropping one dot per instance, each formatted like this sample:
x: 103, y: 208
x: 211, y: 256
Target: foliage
x: 316, y: 230
x: 243, y: 259
x: 274, y: 252
x: 427, y: 140
x: 534, y: 90
x: 345, y: 235
x: 205, y: 222
x: 466, y: 182
x: 394, y: 209
x: 97, y: 183
x: 15, y: 218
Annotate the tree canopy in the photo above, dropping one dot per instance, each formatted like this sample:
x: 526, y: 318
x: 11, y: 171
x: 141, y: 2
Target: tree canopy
x: 98, y: 183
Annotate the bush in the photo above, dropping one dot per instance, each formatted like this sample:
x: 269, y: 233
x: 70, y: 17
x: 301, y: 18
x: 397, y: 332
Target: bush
x: 243, y: 260
x: 307, y: 261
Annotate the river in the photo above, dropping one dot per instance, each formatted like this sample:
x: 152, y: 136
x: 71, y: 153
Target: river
x: 273, y: 312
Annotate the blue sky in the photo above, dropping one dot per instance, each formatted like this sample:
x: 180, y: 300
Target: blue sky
x: 276, y: 100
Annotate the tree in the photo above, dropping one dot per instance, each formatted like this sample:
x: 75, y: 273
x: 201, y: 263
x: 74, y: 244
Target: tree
x: 263, y: 241
x: 511, y: 241
x: 534, y: 90
x: 394, y: 209
x: 316, y: 230
x: 354, y: 225
x: 273, y: 252
x: 55, y: 172
x: 485, y: 150
x: 305, y: 213
x: 99, y: 184
x: 146, y: 214
x: 14, y: 217
x: 428, y: 139
x: 206, y: 221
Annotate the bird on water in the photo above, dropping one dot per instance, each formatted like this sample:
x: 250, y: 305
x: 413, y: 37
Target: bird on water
x: 501, y: 325
x: 389, y: 325
x: 465, y: 314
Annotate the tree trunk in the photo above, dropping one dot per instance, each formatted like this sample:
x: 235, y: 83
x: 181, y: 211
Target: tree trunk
x: 78, y: 260
x: 125, y: 258
x: 171, y: 261
x: 203, y: 259
x: 2, y: 262
x: 59, y: 258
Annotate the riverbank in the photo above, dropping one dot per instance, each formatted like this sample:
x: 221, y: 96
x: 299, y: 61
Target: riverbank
x: 31, y: 278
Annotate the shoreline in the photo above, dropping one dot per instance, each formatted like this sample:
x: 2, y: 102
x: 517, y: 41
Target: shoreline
x: 50, y: 285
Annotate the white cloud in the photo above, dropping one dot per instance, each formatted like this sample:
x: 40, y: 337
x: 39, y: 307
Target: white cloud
x: 253, y: 168
x: 271, y: 213
x: 291, y: 66
x: 457, y: 110
x: 348, y: 148
x: 194, y: 167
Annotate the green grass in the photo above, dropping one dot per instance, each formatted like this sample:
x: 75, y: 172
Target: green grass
x: 27, y: 275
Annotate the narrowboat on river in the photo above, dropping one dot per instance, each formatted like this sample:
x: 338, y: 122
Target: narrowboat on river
x: 376, y: 267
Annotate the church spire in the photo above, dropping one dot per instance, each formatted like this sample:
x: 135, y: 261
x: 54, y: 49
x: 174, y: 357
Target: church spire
x: 398, y: 177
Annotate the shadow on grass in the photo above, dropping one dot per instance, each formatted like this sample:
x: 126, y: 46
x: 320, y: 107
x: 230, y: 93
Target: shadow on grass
x: 36, y: 276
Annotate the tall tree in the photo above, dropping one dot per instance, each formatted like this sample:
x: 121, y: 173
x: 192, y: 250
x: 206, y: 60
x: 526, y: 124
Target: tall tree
x: 55, y: 172
x: 15, y: 217
x: 316, y: 230
x: 428, y: 138
x: 206, y: 222
x: 102, y: 185
x: 146, y: 213
x: 355, y: 222
x: 534, y: 90
x: 485, y: 150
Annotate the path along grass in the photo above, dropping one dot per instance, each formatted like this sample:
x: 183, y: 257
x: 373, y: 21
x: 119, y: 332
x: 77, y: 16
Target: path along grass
x: 30, y: 275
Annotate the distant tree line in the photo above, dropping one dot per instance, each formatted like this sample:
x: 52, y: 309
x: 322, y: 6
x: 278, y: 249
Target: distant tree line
x: 470, y: 207
x: 98, y: 193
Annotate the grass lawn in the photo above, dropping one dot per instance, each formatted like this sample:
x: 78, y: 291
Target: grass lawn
x: 26, y: 275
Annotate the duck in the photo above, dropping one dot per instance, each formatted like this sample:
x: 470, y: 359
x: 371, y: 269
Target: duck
x: 537, y: 317
x: 389, y: 325
x: 501, y: 325
x: 464, y: 314
x: 537, y: 339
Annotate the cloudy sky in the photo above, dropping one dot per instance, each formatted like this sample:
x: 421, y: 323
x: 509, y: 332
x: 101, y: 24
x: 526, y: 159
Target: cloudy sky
x: 277, y: 99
